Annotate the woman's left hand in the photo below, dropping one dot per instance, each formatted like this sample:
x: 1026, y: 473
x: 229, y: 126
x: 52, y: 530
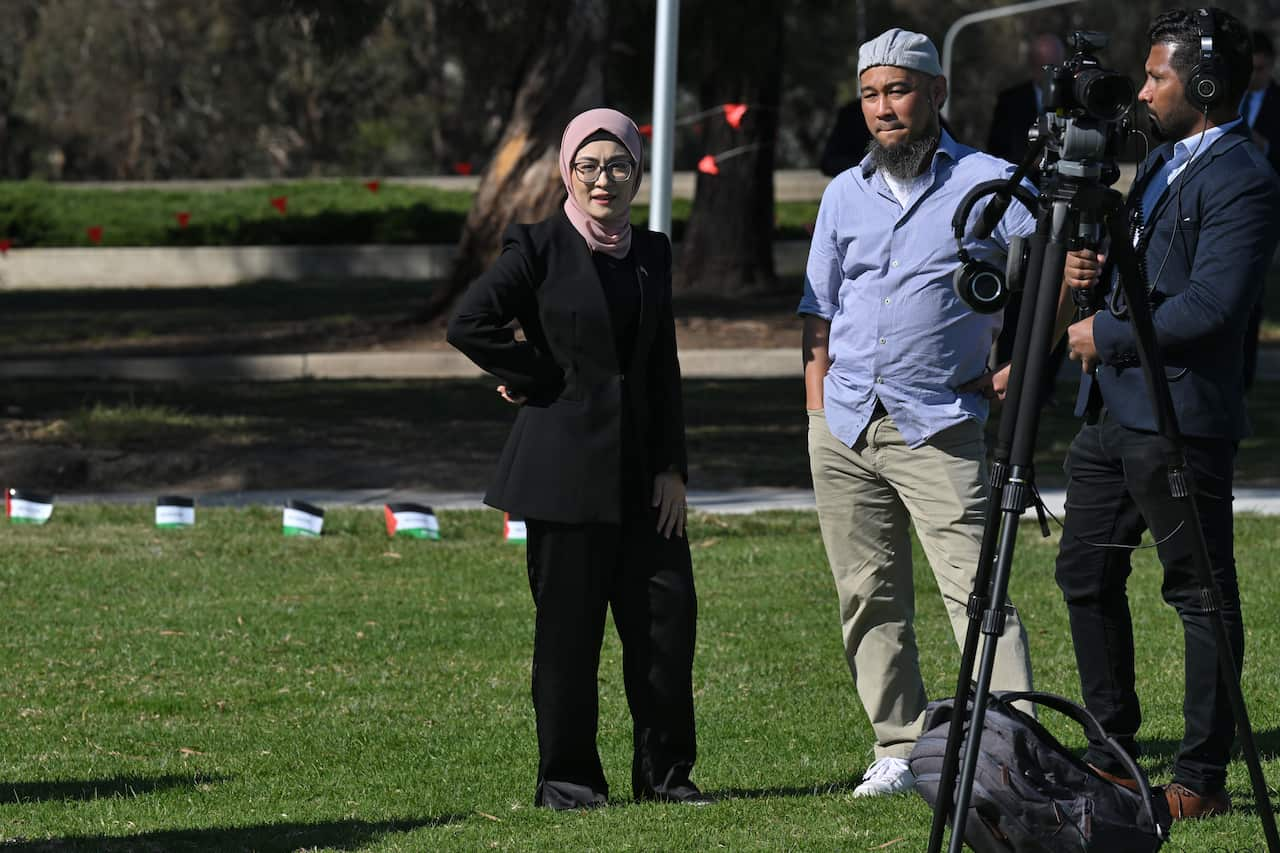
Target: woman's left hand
x: 511, y: 396
x: 669, y: 498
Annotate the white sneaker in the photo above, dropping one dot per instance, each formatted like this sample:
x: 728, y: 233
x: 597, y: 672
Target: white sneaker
x: 886, y: 776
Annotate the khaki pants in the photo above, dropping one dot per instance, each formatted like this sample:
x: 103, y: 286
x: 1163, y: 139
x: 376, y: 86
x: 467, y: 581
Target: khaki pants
x: 867, y: 497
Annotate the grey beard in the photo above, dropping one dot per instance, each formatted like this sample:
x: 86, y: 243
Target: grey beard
x: 906, y: 159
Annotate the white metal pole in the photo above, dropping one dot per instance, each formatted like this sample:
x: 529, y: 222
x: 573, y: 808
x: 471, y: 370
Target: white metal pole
x: 963, y: 21
x: 666, y: 37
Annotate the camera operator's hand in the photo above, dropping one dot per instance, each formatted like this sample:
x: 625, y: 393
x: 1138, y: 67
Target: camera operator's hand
x: 1083, y: 268
x: 1080, y: 346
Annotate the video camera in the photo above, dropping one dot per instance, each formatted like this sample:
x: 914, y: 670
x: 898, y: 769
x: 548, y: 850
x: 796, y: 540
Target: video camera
x: 1087, y: 110
x: 1073, y: 146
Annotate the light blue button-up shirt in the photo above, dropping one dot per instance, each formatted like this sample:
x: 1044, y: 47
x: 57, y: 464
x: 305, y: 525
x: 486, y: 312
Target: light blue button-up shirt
x: 882, y: 275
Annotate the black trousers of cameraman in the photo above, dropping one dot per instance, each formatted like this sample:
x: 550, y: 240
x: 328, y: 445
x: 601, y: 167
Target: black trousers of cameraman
x: 1118, y: 487
x: 576, y: 571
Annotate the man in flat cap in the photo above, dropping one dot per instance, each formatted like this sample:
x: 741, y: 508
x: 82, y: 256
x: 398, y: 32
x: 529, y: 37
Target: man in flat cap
x: 890, y: 355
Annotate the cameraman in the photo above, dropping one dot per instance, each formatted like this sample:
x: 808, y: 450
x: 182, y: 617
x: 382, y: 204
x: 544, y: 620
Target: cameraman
x: 1206, y: 212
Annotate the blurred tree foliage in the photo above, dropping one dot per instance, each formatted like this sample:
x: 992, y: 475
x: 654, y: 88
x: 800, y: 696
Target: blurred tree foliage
x: 153, y: 89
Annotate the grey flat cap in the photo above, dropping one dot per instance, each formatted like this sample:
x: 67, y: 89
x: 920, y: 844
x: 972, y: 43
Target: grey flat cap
x: 901, y: 48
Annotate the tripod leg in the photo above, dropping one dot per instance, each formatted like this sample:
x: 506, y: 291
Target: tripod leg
x: 978, y: 599
x: 1182, y: 490
x: 1017, y: 493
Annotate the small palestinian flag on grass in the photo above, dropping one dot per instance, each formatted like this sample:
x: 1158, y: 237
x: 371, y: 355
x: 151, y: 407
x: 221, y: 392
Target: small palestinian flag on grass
x: 513, y: 529
x: 27, y: 507
x: 413, y: 520
x: 174, y: 511
x: 302, y: 519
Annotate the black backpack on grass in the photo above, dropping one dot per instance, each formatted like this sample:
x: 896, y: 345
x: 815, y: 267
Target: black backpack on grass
x: 1032, y: 795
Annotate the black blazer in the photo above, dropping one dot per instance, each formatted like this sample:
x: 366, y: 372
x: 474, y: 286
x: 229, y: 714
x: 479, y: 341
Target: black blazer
x: 562, y: 461
x: 1267, y: 123
x: 1014, y: 115
x: 1215, y: 245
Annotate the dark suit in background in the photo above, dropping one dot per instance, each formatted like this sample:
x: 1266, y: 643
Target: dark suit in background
x: 847, y: 144
x: 1016, y: 111
x: 602, y: 418
x: 1214, y: 241
x: 1267, y: 124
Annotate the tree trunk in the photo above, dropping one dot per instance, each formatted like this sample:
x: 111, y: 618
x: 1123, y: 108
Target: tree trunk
x: 522, y: 182
x: 728, y: 246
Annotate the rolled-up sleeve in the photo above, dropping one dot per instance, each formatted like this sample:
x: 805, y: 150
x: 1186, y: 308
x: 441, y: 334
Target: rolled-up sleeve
x: 823, y: 271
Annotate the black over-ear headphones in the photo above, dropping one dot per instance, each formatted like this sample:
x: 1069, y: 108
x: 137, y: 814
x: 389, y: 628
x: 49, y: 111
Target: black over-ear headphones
x: 979, y: 284
x: 1206, y: 86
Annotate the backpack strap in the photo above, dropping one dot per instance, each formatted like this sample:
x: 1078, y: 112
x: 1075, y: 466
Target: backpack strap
x: 1091, y: 725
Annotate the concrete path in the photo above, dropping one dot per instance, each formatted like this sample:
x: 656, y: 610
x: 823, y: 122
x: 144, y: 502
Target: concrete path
x: 413, y: 364
x: 726, y: 502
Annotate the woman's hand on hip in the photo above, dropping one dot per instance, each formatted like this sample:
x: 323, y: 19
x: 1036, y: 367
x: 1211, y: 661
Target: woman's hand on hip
x: 512, y: 397
x: 669, y: 498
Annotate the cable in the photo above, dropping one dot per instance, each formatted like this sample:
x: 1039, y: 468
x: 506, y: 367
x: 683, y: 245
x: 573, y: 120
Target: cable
x: 1035, y: 492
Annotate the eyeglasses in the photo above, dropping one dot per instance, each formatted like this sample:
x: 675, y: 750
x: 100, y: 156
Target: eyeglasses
x: 588, y: 171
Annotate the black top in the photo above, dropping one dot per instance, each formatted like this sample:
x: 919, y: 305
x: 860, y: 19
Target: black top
x: 569, y: 458
x: 618, y: 277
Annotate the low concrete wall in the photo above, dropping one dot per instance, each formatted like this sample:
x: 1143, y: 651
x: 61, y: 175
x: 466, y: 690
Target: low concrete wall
x: 206, y: 266
x: 788, y: 184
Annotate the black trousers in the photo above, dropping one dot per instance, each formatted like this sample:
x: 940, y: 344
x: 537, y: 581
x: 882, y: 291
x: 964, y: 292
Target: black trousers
x: 1117, y: 488
x: 575, y: 572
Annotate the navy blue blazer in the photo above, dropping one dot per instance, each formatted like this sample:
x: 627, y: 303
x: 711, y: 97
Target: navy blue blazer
x: 1207, y: 251
x: 563, y: 459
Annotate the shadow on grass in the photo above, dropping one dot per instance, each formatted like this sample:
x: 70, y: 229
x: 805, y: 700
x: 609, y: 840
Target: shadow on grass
x: 818, y: 790
x: 740, y: 433
x: 98, y: 789
x: 265, y: 838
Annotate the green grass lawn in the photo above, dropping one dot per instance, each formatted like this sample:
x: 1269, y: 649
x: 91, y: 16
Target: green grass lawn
x: 226, y: 688
x: 41, y: 215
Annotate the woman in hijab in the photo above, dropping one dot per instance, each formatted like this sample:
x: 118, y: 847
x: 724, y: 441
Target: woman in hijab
x: 595, y: 463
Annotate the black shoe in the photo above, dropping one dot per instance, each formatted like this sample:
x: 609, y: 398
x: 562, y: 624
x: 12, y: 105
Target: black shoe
x: 686, y: 794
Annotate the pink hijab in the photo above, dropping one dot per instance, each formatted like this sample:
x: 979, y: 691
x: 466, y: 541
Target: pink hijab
x: 612, y: 238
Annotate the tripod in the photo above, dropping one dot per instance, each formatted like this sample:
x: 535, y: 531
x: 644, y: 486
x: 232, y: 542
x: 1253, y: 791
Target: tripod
x: 1073, y: 204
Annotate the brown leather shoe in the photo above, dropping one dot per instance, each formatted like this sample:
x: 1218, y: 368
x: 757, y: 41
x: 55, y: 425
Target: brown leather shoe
x: 1123, y: 781
x: 1186, y: 804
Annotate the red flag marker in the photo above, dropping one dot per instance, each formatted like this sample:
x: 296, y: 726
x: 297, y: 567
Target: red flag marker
x: 373, y: 186
x: 281, y: 203
x: 5, y: 245
x: 184, y: 218
x: 462, y: 167
x: 646, y: 130
x: 95, y: 233
x: 707, y: 165
x: 733, y: 114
